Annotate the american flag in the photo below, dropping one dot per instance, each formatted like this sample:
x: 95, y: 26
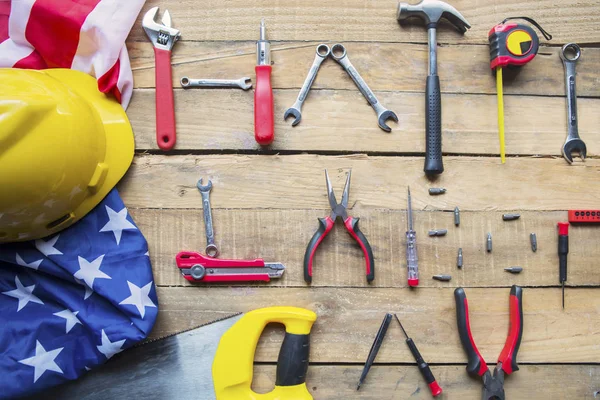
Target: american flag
x: 71, y: 301
x: 86, y: 35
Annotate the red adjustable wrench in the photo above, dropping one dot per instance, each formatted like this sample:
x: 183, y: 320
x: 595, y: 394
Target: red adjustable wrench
x: 163, y: 37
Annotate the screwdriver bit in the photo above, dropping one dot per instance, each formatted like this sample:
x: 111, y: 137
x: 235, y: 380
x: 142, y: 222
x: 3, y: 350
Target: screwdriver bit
x: 514, y: 270
x: 510, y: 217
x: 443, y: 278
x: 438, y: 232
x: 456, y: 216
x: 459, y: 259
x: 435, y: 191
x: 488, y: 245
x: 533, y: 240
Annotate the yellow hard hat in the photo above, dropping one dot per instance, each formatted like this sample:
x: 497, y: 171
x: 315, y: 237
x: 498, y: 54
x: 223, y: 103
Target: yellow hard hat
x: 63, y: 146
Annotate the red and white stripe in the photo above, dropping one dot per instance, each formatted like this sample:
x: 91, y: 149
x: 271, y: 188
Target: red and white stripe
x: 87, y: 35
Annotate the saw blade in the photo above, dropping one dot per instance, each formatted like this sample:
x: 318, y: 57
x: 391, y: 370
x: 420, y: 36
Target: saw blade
x: 174, y: 367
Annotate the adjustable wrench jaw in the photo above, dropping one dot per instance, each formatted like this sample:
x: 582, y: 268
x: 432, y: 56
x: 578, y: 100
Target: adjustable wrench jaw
x: 162, y: 36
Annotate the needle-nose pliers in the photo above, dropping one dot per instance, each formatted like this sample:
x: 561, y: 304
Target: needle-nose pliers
x: 493, y: 384
x: 326, y: 224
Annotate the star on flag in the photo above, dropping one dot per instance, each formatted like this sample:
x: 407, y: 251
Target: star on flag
x: 139, y: 298
x: 70, y: 317
x: 33, y: 265
x: 47, y: 247
x: 43, y: 361
x: 109, y: 348
x: 117, y: 223
x: 90, y: 271
x: 24, y: 294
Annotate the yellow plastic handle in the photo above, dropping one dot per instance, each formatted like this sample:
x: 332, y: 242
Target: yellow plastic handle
x: 233, y: 365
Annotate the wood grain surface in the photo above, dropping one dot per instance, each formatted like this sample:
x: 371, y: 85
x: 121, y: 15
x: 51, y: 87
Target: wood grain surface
x: 266, y: 201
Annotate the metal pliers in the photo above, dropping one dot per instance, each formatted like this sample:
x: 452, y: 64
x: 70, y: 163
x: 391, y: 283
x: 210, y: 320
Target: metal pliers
x: 493, y: 384
x: 326, y: 224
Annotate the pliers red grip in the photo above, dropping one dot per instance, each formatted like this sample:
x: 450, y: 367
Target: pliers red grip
x: 325, y: 226
x: 493, y: 384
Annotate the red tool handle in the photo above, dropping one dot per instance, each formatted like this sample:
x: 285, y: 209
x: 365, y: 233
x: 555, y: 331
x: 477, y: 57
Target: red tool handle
x: 475, y: 363
x: 508, y: 356
x: 263, y: 106
x: 165, y: 104
x: 325, y: 225
x: 188, y: 259
x: 352, y: 227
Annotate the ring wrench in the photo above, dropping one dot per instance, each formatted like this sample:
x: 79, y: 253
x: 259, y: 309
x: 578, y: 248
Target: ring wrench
x: 211, y: 249
x: 163, y: 37
x: 323, y: 51
x: 338, y: 53
x: 569, y: 54
x: 242, y: 83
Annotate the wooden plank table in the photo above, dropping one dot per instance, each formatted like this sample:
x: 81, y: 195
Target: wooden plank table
x: 266, y: 201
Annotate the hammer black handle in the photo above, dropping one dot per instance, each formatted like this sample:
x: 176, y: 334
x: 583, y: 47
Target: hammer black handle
x: 433, y: 129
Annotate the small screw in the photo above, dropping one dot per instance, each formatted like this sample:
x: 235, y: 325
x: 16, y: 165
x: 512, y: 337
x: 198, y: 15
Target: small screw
x: 456, y: 216
x: 443, y: 278
x: 459, y: 259
x: 488, y: 246
x: 436, y: 191
x: 514, y: 270
x: 510, y: 217
x: 438, y: 232
x: 533, y: 240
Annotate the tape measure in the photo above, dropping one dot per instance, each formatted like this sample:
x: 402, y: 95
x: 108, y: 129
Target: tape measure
x: 511, y: 45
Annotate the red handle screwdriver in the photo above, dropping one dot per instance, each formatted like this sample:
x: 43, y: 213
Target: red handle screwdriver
x: 563, y: 251
x: 436, y: 389
x: 263, y: 94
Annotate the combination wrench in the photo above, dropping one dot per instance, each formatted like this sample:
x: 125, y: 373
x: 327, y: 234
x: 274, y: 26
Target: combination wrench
x: 569, y: 54
x: 211, y: 248
x: 338, y: 53
x: 323, y: 51
x: 244, y: 83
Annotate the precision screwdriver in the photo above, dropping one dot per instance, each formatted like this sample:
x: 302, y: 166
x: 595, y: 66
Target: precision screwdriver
x: 412, y: 261
x: 263, y: 94
x: 436, y: 390
x: 563, y: 251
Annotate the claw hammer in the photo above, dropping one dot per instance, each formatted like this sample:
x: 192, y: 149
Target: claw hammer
x: 431, y: 12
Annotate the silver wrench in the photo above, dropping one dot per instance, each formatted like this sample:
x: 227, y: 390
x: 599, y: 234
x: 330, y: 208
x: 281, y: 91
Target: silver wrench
x: 569, y: 54
x: 338, y: 53
x: 211, y: 248
x: 242, y: 83
x: 323, y: 52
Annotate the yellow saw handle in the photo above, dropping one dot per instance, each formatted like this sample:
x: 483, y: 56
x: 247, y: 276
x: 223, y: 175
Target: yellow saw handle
x: 233, y: 364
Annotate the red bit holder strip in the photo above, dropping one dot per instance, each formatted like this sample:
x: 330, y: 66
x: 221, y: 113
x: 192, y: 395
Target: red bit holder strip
x: 584, y: 216
x: 196, y: 267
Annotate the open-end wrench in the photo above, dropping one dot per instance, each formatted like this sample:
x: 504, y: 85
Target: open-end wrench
x: 338, y: 53
x: 211, y: 248
x: 323, y: 51
x: 163, y: 37
x: 244, y: 83
x: 569, y: 54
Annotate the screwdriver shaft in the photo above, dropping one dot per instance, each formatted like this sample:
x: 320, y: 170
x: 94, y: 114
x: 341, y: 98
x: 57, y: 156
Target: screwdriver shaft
x: 421, y: 364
